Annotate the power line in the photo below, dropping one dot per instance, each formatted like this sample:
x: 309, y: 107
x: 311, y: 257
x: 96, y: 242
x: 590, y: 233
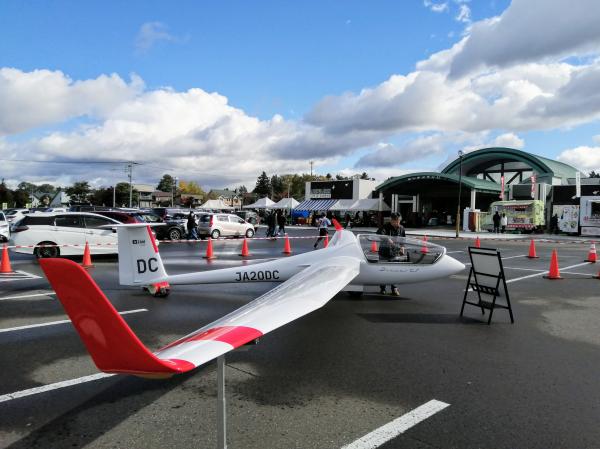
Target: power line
x: 66, y: 162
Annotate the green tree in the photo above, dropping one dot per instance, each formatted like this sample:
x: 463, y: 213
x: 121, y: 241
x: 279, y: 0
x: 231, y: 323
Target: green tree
x: 6, y: 195
x: 594, y: 174
x: 241, y: 190
x: 79, y: 191
x: 46, y: 188
x: 278, y: 187
x: 166, y: 184
x: 263, y: 185
x: 364, y: 176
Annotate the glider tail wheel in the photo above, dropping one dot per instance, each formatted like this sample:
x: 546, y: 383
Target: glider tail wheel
x: 158, y: 289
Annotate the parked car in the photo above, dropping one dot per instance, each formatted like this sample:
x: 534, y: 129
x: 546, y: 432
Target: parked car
x: 68, y: 228
x: 4, y: 228
x: 249, y: 216
x: 174, y: 229
x: 13, y: 215
x: 217, y: 225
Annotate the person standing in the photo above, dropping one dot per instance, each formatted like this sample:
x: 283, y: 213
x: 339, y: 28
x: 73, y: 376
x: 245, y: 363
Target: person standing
x: 496, y: 218
x: 191, y: 227
x: 271, y: 223
x: 322, y: 223
x: 504, y: 222
x: 280, y: 222
x: 391, y: 229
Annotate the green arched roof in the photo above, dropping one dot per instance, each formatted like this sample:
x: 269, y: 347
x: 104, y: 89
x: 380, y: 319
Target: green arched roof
x: 538, y: 163
x: 481, y: 185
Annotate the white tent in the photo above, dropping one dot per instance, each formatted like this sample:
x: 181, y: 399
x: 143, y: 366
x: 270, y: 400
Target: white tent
x: 370, y: 204
x: 263, y: 203
x: 343, y: 205
x: 216, y: 204
x: 284, y: 203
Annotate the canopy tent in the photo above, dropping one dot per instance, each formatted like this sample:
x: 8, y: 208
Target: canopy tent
x: 284, y: 203
x: 263, y: 203
x: 315, y: 205
x: 343, y: 205
x: 370, y: 204
x: 216, y: 204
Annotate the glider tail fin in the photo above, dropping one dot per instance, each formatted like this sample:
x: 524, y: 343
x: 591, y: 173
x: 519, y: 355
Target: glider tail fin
x: 139, y: 260
x: 109, y: 340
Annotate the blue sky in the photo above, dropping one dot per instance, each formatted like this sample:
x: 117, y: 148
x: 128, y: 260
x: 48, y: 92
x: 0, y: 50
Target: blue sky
x: 305, y: 63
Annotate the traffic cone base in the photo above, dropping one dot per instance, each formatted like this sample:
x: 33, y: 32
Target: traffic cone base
x: 5, y: 264
x: 287, y: 249
x: 87, y: 257
x: 532, y: 254
x: 554, y: 272
x: 374, y: 247
x: 209, y: 250
x: 245, y: 251
x: 477, y: 242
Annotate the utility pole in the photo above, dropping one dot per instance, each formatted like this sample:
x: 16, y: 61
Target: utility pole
x: 129, y: 170
x: 114, y: 194
x: 311, y: 166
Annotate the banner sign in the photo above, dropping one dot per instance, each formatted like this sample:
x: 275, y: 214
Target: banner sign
x: 578, y: 184
x: 533, y: 186
x: 502, y: 188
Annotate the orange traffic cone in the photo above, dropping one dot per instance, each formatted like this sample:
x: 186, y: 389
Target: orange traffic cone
x: 5, y: 264
x: 532, y: 254
x: 245, y: 252
x: 287, y: 249
x: 374, y: 247
x: 87, y: 258
x: 477, y: 242
x: 554, y: 273
x: 592, y: 257
x: 424, y: 249
x: 326, y: 241
x: 209, y: 250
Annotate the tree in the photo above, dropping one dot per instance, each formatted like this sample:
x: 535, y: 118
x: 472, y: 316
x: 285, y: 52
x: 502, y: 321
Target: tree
x: 241, y: 190
x: 364, y: 176
x: 278, y: 187
x: 190, y: 187
x: 6, y: 195
x: 263, y: 185
x: 79, y: 191
x: 166, y: 184
x: 46, y: 188
x: 594, y: 174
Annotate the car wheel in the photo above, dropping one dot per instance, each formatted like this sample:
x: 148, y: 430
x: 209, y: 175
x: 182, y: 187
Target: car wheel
x: 43, y: 252
x: 174, y: 234
x: 215, y: 234
x: 249, y: 233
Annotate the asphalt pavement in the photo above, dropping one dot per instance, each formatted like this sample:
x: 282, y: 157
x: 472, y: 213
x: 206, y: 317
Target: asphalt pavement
x: 325, y: 380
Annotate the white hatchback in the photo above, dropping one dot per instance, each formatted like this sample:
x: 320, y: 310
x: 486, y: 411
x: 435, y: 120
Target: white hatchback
x: 4, y: 228
x: 217, y: 225
x: 44, y: 234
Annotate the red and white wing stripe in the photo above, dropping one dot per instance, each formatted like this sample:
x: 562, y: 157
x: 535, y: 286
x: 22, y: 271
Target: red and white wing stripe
x: 116, y: 349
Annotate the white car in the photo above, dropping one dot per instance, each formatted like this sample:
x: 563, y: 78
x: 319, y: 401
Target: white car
x: 4, y: 228
x: 66, y: 228
x: 14, y: 215
x: 221, y: 225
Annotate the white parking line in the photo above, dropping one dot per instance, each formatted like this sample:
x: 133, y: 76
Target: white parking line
x: 18, y: 276
x: 54, y: 386
x: 52, y: 323
x: 514, y: 257
x: 545, y: 272
x: 28, y: 296
x: 400, y: 425
x: 452, y: 252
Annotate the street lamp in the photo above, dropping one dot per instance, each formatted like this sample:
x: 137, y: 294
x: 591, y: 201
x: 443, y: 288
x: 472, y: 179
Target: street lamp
x: 460, y: 156
x: 173, y: 190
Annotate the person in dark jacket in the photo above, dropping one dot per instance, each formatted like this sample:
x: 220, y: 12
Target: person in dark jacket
x: 496, y: 219
x: 280, y: 222
x: 191, y: 227
x: 387, y: 248
x: 271, y: 224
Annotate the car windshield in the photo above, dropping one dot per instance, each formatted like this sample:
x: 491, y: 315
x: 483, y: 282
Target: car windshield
x: 390, y: 249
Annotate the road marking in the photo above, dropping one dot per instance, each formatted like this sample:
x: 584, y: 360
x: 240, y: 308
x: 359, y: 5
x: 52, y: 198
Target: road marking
x: 545, y: 272
x: 54, y: 386
x: 52, y: 323
x: 523, y: 269
x: 17, y: 276
x: 28, y: 296
x: 452, y: 252
x: 514, y: 257
x: 400, y: 425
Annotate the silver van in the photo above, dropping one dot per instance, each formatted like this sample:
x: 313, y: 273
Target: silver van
x: 218, y: 225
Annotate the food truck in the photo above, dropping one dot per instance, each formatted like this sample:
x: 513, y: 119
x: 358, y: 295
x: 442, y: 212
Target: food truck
x: 522, y: 215
x: 589, y: 215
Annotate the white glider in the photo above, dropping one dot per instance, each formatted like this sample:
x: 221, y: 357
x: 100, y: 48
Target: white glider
x: 309, y: 282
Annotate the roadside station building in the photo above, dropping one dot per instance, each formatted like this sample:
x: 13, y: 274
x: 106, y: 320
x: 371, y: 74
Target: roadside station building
x: 322, y: 195
x: 485, y: 176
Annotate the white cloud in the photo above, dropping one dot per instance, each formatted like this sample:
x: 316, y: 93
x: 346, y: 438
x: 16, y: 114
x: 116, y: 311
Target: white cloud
x: 585, y: 158
x: 464, y: 14
x: 389, y: 155
x: 509, y: 140
x: 530, y: 30
x: 44, y: 97
x: 436, y: 7
x: 150, y: 34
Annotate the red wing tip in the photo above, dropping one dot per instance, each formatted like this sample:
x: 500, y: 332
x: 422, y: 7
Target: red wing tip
x: 338, y: 226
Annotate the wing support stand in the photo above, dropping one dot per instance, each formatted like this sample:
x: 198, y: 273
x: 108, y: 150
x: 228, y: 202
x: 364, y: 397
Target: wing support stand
x: 221, y: 404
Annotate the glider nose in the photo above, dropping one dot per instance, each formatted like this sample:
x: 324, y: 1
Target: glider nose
x: 451, y: 266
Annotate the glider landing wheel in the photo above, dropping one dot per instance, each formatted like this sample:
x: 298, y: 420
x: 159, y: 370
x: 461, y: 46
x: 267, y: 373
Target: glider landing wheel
x: 158, y: 290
